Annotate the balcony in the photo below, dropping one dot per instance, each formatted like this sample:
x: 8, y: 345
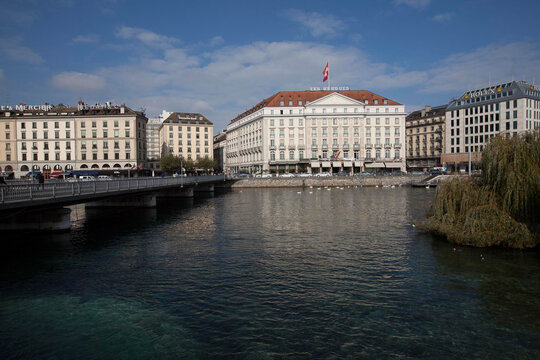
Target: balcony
x: 397, y: 146
x: 387, y: 146
x: 313, y: 147
x: 325, y: 147
x: 345, y: 146
x: 281, y: 147
x: 272, y: 147
x: 335, y: 146
x: 369, y: 146
x: 378, y: 146
x: 356, y: 146
x: 370, y: 159
x: 301, y: 146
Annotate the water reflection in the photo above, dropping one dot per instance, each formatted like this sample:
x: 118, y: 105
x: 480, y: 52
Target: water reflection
x: 273, y: 273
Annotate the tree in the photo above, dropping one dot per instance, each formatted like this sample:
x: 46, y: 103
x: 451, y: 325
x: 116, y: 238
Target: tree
x: 206, y: 164
x: 170, y: 164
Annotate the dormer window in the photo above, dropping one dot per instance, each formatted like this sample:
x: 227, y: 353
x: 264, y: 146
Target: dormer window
x: 366, y: 102
x: 281, y: 103
x: 290, y: 102
x: 385, y: 101
x: 299, y: 102
x: 375, y: 102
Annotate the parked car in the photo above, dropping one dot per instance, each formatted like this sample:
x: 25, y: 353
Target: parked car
x: 287, y: 175
x: 305, y: 175
x: 86, y: 178
x: 342, y: 173
x: 242, y: 175
x: 266, y: 175
x: 104, y: 178
x: 323, y: 174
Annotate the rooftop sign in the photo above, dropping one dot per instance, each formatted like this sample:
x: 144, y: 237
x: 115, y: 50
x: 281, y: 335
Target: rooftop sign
x: 107, y: 105
x: 23, y: 107
x: 333, y: 88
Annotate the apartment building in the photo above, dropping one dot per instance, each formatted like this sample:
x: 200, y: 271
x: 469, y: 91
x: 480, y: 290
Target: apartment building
x: 425, y: 131
x: 188, y: 135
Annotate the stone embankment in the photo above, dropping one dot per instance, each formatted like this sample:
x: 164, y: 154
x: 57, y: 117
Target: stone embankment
x: 333, y: 181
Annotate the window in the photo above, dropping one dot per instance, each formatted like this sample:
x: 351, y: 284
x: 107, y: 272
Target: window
x: 282, y: 155
x: 83, y: 134
x: 291, y: 155
x: 117, y: 133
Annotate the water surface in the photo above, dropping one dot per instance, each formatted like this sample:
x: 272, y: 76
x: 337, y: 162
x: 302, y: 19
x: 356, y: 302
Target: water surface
x: 266, y: 274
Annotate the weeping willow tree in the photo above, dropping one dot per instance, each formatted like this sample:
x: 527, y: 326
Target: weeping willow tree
x: 503, y: 208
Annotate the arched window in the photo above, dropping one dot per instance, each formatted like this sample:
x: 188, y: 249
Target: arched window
x: 378, y: 154
x: 127, y: 165
x: 272, y: 155
x: 95, y: 166
x: 84, y: 166
x: 387, y: 154
x: 368, y: 154
x: 57, y: 167
x: 291, y: 155
x: 117, y: 166
x: 24, y: 168
x: 282, y: 155
x: 35, y: 168
x: 9, y: 168
x: 396, y: 154
x: 46, y: 168
x: 69, y: 167
x: 105, y: 166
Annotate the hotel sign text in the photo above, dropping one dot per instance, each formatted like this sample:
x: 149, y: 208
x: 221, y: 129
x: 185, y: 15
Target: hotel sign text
x: 23, y: 107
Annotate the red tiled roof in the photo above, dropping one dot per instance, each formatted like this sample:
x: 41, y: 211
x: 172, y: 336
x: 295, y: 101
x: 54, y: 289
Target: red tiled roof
x: 295, y: 96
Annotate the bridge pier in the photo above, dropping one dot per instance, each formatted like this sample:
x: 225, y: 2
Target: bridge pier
x: 37, y: 220
x: 185, y: 192
x: 144, y: 201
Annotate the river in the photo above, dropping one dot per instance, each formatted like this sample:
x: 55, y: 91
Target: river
x: 265, y: 274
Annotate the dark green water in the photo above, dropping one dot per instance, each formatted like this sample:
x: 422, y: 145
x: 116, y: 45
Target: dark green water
x: 266, y: 274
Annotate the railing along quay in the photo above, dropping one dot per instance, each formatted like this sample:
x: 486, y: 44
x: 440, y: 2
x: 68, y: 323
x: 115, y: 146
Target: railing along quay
x: 71, y: 189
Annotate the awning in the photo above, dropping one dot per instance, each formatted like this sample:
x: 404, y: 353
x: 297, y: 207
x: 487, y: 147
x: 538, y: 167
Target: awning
x: 393, y: 165
x: 358, y: 163
x: 326, y: 164
x: 375, y: 165
x: 315, y: 164
x: 347, y: 164
x: 336, y: 164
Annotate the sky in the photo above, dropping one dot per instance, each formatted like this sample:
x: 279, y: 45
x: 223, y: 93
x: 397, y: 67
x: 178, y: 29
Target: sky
x: 220, y: 58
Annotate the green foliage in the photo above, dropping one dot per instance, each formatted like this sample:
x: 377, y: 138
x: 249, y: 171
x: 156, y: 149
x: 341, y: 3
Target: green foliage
x: 502, y: 210
x: 206, y: 164
x: 511, y: 169
x: 170, y: 164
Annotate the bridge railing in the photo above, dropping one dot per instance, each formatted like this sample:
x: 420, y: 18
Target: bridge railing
x: 65, y: 189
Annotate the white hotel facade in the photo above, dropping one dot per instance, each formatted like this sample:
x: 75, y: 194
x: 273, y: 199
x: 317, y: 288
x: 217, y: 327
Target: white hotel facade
x: 318, y: 131
x: 478, y: 115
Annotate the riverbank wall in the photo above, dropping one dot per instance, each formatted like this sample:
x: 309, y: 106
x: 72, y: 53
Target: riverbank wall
x: 333, y: 181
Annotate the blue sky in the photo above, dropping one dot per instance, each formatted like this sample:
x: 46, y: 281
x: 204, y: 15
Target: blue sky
x: 222, y: 57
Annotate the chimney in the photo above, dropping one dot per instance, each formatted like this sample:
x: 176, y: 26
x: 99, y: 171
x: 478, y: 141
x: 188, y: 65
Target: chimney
x: 122, y: 109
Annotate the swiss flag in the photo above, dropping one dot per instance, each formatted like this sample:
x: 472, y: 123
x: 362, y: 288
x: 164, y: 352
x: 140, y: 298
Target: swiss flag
x: 325, y: 73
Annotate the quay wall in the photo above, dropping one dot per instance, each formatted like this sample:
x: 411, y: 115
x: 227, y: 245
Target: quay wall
x: 329, y: 181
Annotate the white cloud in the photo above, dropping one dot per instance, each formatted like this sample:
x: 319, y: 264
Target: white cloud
x: 13, y: 49
x: 317, y: 24
x: 417, y: 4
x: 78, y: 82
x: 85, y: 39
x: 500, y: 63
x: 216, y: 41
x: 228, y: 80
x: 444, y: 17
x: 147, y: 37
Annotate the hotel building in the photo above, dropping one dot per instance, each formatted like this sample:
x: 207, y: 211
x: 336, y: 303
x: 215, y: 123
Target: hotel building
x: 59, y: 138
x: 478, y: 115
x: 425, y: 137
x: 318, y: 131
x: 8, y: 145
x: 187, y: 135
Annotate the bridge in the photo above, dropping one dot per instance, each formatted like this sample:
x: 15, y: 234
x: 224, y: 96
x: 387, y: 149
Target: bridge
x: 33, y: 206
